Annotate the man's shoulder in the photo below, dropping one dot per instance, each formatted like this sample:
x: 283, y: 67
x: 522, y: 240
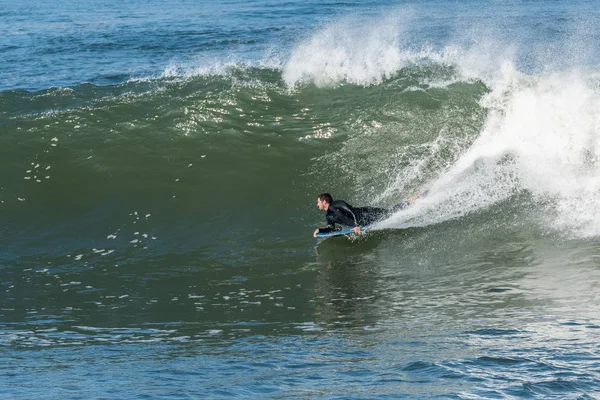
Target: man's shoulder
x: 340, y: 204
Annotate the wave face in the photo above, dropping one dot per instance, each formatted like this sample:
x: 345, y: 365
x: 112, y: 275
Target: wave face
x: 160, y: 166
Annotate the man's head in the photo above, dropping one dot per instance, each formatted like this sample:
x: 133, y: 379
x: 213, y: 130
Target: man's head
x: 323, y: 201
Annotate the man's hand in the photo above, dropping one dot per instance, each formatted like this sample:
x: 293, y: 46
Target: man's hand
x: 315, y: 234
x: 356, y: 229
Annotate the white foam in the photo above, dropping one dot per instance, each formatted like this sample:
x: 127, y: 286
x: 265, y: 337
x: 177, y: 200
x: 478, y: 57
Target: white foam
x: 541, y: 135
x: 361, y: 51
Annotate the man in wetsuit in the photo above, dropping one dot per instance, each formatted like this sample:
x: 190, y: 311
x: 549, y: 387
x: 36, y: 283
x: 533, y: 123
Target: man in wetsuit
x: 340, y: 212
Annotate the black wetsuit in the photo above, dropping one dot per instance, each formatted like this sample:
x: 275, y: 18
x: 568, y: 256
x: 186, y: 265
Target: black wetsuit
x: 340, y: 212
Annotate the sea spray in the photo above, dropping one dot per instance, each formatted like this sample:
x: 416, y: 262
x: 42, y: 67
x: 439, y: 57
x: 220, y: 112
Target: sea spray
x: 354, y: 51
x: 541, y: 136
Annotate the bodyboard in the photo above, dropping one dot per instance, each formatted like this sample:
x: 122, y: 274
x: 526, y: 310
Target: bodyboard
x: 342, y: 232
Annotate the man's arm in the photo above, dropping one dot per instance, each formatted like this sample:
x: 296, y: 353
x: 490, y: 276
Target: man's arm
x: 330, y: 225
x: 348, y: 215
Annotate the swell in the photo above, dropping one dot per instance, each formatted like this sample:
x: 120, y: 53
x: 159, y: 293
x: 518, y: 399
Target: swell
x: 108, y: 168
x: 84, y: 162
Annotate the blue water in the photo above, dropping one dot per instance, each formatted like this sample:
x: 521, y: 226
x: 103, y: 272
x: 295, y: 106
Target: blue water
x: 57, y: 44
x: 48, y: 44
x: 160, y: 163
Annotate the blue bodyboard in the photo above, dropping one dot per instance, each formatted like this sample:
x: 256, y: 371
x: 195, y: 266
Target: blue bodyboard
x: 342, y: 232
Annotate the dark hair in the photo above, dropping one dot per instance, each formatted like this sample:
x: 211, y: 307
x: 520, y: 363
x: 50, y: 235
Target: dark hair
x: 325, y: 197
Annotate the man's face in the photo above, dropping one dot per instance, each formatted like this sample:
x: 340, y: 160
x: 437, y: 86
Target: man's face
x: 322, y: 204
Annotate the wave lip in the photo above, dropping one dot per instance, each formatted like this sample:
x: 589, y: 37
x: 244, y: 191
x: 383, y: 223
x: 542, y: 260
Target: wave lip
x: 362, y: 53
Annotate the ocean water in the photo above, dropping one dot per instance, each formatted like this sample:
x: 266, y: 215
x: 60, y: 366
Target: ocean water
x: 160, y: 163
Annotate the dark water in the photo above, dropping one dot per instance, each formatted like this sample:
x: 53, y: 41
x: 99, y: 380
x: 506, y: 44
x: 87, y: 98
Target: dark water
x: 160, y: 166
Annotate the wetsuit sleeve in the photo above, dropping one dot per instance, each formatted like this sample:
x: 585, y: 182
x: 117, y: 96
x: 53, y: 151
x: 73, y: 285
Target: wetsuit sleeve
x: 339, y: 212
x: 330, y: 224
